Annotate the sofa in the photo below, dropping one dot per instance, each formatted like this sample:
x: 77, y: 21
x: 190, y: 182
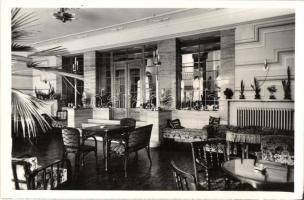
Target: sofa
x: 176, y: 132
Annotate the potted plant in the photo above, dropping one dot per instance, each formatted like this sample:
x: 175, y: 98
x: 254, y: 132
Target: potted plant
x: 272, y: 89
x: 228, y: 93
x: 256, y: 88
x: 287, y: 85
x: 27, y: 119
x: 242, y: 96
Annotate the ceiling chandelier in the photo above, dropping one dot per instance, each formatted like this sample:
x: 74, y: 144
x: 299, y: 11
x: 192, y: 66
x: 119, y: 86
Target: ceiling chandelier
x: 63, y: 15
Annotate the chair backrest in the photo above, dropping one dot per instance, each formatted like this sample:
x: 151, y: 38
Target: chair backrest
x: 128, y: 122
x: 183, y: 180
x: 62, y: 115
x: 71, y: 137
x: 208, y: 154
x: 139, y: 138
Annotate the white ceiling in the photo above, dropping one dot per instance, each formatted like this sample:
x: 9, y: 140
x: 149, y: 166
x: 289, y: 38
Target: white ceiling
x: 86, y: 19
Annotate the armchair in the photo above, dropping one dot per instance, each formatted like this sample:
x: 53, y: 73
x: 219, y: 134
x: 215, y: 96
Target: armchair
x: 28, y: 175
x: 134, y: 141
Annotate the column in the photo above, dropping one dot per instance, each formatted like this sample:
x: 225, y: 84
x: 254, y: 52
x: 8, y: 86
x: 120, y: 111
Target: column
x: 227, y: 71
x: 167, y: 69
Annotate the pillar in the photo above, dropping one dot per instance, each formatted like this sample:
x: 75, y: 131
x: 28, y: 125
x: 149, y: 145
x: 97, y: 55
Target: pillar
x: 227, y: 71
x: 167, y: 69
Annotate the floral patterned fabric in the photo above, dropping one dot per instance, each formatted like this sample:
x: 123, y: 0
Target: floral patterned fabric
x: 185, y: 135
x: 277, y: 148
x: 39, y: 177
x: 243, y: 137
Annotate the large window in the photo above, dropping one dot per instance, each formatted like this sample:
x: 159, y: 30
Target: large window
x: 200, y: 64
x: 72, y: 88
x: 134, y: 77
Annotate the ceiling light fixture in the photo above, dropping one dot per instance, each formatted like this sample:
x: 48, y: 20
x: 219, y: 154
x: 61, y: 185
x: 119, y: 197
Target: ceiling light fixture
x: 63, y: 15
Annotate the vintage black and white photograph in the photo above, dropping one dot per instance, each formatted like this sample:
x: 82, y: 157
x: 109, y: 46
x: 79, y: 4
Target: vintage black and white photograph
x: 152, y: 99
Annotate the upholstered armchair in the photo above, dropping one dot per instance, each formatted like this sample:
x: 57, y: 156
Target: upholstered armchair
x: 29, y: 175
x: 277, y: 148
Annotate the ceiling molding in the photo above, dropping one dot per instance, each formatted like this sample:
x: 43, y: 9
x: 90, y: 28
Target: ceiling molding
x: 216, y: 20
x: 152, y: 19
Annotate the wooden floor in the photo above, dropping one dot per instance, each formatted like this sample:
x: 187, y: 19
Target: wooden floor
x: 140, y: 175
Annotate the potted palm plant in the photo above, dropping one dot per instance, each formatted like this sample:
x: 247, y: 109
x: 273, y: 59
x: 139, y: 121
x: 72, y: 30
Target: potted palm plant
x: 242, y: 96
x: 256, y: 88
x: 27, y: 119
x: 287, y: 85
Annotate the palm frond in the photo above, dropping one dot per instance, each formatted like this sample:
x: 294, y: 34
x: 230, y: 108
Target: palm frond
x: 21, y: 48
x: 20, y: 24
x: 55, y: 51
x: 27, y: 111
x: 32, y: 64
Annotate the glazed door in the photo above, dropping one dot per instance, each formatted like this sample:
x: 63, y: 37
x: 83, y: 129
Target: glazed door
x: 127, y: 89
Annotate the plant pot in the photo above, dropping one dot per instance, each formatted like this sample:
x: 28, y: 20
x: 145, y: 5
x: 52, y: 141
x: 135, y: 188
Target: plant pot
x: 257, y: 96
x: 242, y: 96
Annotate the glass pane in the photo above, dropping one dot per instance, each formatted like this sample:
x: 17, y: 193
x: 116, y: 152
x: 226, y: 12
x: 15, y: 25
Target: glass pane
x: 199, y: 85
x: 119, y: 89
x: 135, y: 89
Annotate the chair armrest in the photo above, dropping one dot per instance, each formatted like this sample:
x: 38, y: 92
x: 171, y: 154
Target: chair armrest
x: 54, y: 165
x: 85, y: 137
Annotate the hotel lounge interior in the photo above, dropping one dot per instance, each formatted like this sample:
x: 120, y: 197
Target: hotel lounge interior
x: 153, y: 99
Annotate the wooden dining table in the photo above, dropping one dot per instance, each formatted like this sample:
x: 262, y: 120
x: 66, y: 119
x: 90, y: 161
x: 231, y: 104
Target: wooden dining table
x: 273, y: 176
x: 108, y: 132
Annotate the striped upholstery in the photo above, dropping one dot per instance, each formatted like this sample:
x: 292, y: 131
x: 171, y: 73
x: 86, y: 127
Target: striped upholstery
x: 71, y: 137
x: 128, y: 122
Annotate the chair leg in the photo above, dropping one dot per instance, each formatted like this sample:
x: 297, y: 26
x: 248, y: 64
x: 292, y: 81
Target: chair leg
x: 82, y: 162
x: 136, y: 156
x: 148, y: 153
x: 126, y: 164
x: 77, y: 167
x: 96, y: 160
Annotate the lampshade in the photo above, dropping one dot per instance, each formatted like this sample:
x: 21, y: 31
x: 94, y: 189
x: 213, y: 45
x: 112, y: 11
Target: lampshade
x: 149, y: 62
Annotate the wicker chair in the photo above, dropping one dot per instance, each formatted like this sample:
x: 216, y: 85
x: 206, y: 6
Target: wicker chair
x: 208, y: 157
x: 134, y: 141
x: 183, y: 180
x: 75, y: 145
x: 130, y: 122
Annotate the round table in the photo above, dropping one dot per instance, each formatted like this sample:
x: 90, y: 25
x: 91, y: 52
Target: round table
x: 275, y: 177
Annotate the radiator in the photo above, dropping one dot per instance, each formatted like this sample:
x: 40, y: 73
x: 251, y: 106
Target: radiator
x: 278, y: 118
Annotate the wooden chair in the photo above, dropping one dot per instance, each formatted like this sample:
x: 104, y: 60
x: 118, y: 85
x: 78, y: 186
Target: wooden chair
x: 128, y: 122
x: 28, y: 175
x: 134, y: 141
x: 208, y: 157
x: 75, y: 145
x: 183, y: 180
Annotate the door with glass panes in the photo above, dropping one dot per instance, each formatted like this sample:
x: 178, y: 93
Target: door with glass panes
x: 127, y: 89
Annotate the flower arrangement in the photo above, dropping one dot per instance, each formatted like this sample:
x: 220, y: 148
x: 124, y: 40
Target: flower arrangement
x: 272, y: 89
x: 228, y: 93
